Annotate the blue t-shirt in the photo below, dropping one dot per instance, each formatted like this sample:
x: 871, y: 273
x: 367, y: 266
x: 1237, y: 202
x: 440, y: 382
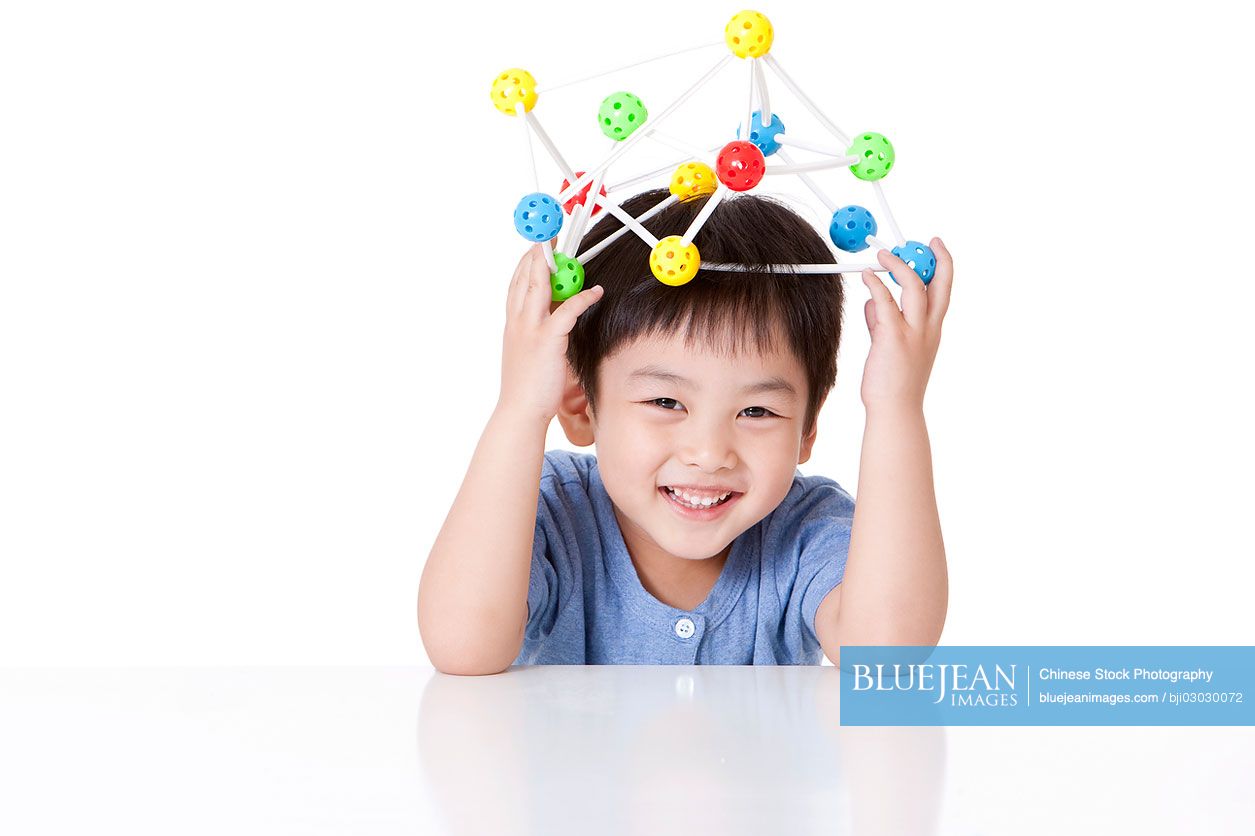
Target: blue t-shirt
x: 586, y: 604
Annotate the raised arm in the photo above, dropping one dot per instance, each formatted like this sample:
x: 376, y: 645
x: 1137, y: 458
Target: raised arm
x: 895, y: 589
x: 472, y: 597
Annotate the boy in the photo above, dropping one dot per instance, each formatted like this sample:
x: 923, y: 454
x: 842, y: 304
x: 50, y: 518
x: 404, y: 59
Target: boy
x: 691, y: 538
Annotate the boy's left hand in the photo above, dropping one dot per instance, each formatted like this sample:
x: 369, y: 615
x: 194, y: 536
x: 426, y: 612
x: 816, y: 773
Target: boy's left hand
x: 904, y: 341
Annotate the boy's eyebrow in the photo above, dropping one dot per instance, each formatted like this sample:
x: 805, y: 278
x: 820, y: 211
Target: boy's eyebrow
x: 655, y: 372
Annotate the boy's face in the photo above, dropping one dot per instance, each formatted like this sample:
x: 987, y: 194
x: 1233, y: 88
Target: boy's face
x: 713, y: 428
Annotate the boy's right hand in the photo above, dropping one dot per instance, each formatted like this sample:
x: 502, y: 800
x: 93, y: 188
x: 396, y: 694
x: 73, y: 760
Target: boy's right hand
x: 533, y: 361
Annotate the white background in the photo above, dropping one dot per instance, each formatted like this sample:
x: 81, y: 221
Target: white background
x: 254, y: 257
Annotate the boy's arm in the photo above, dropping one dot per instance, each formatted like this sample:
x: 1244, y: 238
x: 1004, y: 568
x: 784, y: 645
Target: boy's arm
x: 472, y: 597
x: 895, y: 589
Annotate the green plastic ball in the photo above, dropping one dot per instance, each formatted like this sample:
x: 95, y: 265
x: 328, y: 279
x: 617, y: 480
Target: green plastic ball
x: 875, y: 154
x: 620, y: 114
x: 569, y: 280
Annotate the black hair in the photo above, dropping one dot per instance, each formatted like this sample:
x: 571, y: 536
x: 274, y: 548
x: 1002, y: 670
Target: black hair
x: 725, y: 309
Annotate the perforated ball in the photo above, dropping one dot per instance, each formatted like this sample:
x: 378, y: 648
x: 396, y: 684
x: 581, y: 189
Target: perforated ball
x: 919, y: 257
x: 764, y: 138
x: 621, y: 114
x: 850, y: 227
x: 693, y: 180
x: 673, y: 263
x: 538, y: 217
x: 581, y: 195
x: 513, y: 86
x: 749, y: 34
x: 740, y: 165
x: 569, y: 280
x: 875, y: 154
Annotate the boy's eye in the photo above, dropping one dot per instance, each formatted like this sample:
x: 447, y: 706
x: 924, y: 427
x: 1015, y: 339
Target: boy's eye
x: 670, y: 404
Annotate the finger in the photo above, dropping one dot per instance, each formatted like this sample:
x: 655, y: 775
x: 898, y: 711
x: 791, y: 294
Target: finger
x: 539, y: 289
x: 886, y: 308
x: 939, y: 287
x: 518, y: 284
x: 914, y: 299
x: 869, y: 313
x: 568, y: 312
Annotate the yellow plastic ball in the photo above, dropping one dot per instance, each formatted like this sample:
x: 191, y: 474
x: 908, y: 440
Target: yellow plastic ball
x: 692, y: 180
x: 748, y: 34
x: 511, y: 87
x: 673, y: 263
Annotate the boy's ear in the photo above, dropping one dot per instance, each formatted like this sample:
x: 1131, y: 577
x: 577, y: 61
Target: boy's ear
x: 573, y: 412
x: 808, y: 441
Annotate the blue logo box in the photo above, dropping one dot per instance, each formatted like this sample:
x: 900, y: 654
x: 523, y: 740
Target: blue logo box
x: 1047, y: 686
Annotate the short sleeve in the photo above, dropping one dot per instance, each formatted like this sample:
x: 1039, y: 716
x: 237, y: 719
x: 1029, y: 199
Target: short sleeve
x: 824, y: 544
x: 542, y: 584
x: 565, y: 535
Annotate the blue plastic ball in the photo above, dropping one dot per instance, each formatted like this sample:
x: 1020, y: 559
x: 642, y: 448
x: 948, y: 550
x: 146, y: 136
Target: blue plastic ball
x: 764, y: 138
x: 850, y: 227
x: 538, y: 217
x: 919, y: 257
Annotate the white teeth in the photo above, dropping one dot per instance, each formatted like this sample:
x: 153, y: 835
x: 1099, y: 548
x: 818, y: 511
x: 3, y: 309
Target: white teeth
x: 698, y: 502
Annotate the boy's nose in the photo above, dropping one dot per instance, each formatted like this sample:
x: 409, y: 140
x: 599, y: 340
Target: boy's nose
x: 707, y: 447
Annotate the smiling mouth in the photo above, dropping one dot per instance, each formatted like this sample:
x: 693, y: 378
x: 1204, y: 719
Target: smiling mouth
x: 699, y: 511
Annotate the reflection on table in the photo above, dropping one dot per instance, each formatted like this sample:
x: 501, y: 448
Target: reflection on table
x: 670, y: 749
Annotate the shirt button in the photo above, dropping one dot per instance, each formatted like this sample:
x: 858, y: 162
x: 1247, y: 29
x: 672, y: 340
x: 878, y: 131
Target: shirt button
x: 684, y: 628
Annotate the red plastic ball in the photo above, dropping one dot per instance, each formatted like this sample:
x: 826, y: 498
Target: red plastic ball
x: 581, y: 196
x: 740, y: 165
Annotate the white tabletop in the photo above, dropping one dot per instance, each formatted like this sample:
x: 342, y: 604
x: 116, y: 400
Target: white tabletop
x: 604, y: 749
